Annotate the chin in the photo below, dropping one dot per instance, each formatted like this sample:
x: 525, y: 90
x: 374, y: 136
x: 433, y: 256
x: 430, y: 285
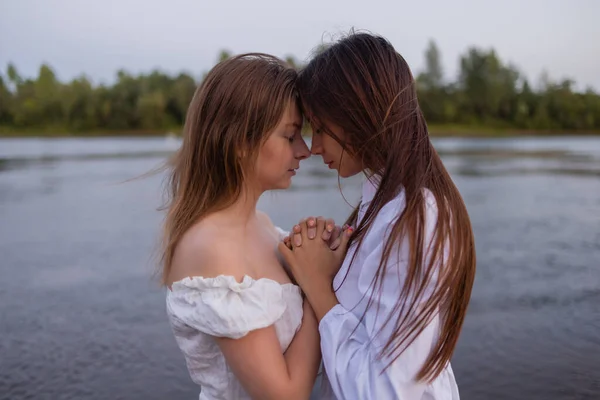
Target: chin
x: 282, y: 185
x: 346, y: 174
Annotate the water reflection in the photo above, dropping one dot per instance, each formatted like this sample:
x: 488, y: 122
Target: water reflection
x: 469, y: 157
x: 81, y: 317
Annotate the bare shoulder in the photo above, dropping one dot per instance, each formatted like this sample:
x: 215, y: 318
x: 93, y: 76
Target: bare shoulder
x: 265, y: 219
x: 207, y: 250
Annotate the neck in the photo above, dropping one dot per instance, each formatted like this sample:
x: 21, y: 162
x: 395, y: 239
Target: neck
x: 243, y: 211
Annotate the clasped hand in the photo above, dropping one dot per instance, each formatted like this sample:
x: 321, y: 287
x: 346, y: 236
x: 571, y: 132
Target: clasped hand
x: 314, y: 252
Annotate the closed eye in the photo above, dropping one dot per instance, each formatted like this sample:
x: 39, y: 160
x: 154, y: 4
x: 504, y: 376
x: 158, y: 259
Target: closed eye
x: 293, y: 136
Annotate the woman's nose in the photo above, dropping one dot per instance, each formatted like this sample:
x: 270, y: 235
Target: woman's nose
x: 303, y: 152
x: 315, y: 146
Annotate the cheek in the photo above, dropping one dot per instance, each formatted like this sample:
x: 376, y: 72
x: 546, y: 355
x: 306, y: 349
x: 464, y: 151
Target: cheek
x: 331, y: 147
x: 350, y: 165
x: 355, y: 166
x: 267, y: 156
x: 272, y: 157
x: 336, y: 152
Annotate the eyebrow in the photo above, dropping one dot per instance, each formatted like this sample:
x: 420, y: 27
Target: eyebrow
x: 295, y: 124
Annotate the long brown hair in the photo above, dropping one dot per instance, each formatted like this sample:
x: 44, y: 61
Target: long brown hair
x: 362, y: 85
x: 238, y: 104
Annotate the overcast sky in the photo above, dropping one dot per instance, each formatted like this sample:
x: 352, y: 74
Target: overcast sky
x: 97, y: 37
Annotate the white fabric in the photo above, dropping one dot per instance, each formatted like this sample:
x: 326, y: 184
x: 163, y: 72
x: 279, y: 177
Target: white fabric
x: 281, y: 234
x: 351, y: 347
x: 201, y: 308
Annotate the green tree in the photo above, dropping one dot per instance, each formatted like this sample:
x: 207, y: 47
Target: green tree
x: 13, y: 75
x: 488, y: 85
x: 180, y: 96
x: 224, y: 55
x: 433, y: 76
x: 433, y: 94
x: 487, y: 92
x: 151, y: 110
x: 5, y: 104
x: 79, y: 105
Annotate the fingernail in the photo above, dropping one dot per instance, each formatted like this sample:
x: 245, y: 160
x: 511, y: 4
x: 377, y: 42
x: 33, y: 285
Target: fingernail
x: 298, y: 241
x: 329, y: 228
x: 345, y: 227
x: 297, y: 228
x: 311, y: 222
x: 349, y: 231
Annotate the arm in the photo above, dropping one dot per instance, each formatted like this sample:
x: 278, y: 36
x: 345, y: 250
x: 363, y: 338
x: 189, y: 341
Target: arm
x: 351, y: 346
x: 351, y: 358
x: 331, y: 235
x: 264, y: 372
x: 247, y: 339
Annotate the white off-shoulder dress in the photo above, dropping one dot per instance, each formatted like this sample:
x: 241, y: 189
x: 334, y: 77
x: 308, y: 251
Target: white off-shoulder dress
x: 200, y: 309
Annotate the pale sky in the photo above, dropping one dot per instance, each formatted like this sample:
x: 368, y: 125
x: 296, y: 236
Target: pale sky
x: 98, y: 37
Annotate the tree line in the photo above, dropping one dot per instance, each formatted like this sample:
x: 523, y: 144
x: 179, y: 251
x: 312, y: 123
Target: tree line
x: 487, y: 93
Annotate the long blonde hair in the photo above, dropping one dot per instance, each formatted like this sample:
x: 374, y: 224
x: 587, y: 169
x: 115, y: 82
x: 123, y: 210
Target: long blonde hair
x: 239, y: 102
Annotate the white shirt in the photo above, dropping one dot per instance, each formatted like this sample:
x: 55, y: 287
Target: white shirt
x: 351, y: 348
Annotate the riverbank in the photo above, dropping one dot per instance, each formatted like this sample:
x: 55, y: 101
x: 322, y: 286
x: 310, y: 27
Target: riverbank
x: 434, y: 131
x: 478, y: 131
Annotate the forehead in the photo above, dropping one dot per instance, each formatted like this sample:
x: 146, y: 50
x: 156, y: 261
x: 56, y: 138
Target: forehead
x: 309, y: 116
x: 325, y: 125
x: 316, y: 121
x: 291, y: 114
